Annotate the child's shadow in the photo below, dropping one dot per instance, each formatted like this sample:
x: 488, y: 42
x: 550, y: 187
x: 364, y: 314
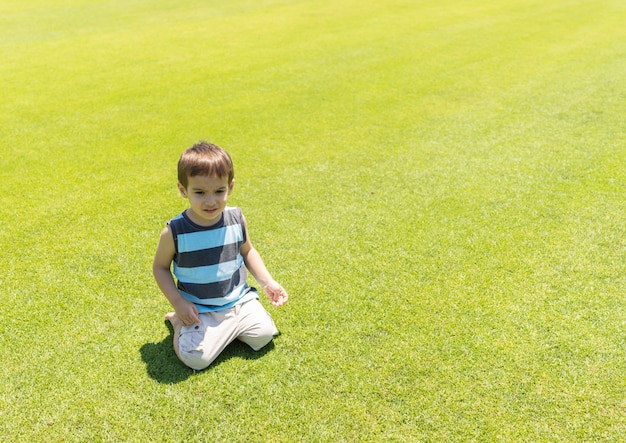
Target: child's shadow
x: 163, y: 366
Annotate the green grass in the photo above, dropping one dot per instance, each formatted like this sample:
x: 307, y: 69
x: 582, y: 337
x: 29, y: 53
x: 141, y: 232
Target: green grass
x: 438, y: 184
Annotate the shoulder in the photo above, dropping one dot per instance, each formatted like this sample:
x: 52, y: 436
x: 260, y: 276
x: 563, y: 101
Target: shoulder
x: 176, y: 220
x: 233, y: 215
x: 166, y: 248
x: 232, y: 210
x: 172, y: 228
x: 181, y: 224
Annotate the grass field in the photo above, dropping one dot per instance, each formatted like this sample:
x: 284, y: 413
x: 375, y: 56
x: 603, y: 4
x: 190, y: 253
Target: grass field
x: 439, y: 184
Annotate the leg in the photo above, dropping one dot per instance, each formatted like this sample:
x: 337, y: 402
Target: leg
x: 173, y: 319
x: 256, y: 326
x: 198, y: 345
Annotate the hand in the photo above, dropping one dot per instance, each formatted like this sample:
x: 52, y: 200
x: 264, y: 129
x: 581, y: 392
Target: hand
x: 276, y: 293
x: 187, y: 312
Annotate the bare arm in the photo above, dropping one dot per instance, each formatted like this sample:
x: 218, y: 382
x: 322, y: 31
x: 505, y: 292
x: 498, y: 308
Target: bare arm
x: 276, y: 293
x: 185, y: 310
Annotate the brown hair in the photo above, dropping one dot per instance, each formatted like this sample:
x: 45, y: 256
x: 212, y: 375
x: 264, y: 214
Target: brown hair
x: 204, y: 158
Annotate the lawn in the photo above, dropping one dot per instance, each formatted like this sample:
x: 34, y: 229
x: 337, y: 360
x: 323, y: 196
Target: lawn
x: 439, y: 185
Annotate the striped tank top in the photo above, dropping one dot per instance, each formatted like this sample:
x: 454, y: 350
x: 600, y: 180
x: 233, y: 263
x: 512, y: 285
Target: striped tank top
x: 208, y: 267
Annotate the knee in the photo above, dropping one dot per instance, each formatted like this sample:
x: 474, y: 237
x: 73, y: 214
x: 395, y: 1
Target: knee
x: 256, y: 343
x: 191, y: 349
x: 260, y: 336
x: 194, y: 359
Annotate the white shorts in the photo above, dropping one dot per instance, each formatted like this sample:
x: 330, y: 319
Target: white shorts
x: 200, y: 344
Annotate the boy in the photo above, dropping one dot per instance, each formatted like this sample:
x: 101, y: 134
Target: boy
x: 210, y: 248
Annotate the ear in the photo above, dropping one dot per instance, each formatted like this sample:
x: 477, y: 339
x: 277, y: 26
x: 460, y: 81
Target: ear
x: 182, y: 190
x: 231, y: 186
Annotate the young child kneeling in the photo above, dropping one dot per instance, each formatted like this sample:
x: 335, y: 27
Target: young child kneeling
x: 211, y: 250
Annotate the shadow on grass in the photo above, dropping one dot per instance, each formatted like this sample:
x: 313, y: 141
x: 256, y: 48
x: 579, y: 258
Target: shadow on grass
x: 163, y: 366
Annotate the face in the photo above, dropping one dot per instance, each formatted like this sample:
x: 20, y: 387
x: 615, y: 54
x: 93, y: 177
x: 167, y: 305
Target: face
x: 207, y: 197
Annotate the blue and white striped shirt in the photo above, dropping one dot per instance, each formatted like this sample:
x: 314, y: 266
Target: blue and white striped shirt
x: 208, y: 267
